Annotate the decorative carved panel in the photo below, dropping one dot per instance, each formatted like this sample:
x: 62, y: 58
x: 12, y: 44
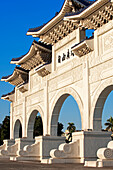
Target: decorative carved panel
x: 18, y: 110
x: 96, y: 73
x: 35, y: 80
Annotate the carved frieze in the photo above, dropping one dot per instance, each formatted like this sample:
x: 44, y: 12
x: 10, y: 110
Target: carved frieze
x: 105, y: 42
x: 18, y: 95
x: 35, y: 80
x: 35, y: 98
x: 107, y: 39
x: 78, y: 73
x: 18, y: 110
x: 98, y: 72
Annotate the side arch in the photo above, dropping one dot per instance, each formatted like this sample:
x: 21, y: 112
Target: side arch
x: 56, y: 105
x: 31, y: 120
x: 98, y: 102
x: 17, y: 129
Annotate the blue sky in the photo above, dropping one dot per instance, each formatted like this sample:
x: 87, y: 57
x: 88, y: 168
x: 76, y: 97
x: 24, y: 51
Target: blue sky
x: 16, y: 17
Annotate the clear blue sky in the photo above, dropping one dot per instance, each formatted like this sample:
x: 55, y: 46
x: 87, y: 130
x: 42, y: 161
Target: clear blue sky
x: 16, y: 17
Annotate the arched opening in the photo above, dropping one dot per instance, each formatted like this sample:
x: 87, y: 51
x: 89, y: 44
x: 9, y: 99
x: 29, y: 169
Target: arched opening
x: 100, y: 108
x: 18, y: 129
x: 65, y: 112
x: 107, y: 110
x: 35, y: 125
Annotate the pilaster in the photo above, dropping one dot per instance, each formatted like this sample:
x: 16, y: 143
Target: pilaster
x: 86, y: 95
x: 46, y: 104
x: 53, y: 59
x: 24, y: 131
x: 11, y: 121
x: 96, y: 44
x: 78, y: 35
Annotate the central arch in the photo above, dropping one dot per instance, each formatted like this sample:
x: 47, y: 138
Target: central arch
x: 57, y: 104
x: 31, y: 121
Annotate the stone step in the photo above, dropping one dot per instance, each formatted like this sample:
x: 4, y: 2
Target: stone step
x: 91, y: 163
x: 65, y: 160
x: 105, y: 163
x: 24, y: 158
x: 45, y: 161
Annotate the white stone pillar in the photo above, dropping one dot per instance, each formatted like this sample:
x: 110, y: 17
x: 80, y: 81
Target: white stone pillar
x: 24, y: 132
x: 96, y: 49
x: 29, y: 83
x: 53, y: 59
x: 86, y: 95
x: 78, y: 35
x: 11, y: 121
x: 15, y: 94
x: 45, y: 121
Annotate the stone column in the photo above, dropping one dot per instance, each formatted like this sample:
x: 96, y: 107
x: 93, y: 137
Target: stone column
x: 78, y: 35
x: 24, y: 133
x: 11, y: 121
x: 86, y: 95
x: 96, y: 44
x: 53, y: 59
x: 45, y: 121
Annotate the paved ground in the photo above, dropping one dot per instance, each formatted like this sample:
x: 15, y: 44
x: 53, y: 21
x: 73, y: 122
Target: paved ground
x: 10, y: 165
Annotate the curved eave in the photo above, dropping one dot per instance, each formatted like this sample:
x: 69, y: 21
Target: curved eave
x: 5, y: 98
x: 9, y: 96
x: 53, y: 21
x: 10, y: 99
x: 34, y: 48
x: 9, y: 78
x: 43, y: 48
x: 16, y: 75
x: 23, y: 59
x: 88, y: 11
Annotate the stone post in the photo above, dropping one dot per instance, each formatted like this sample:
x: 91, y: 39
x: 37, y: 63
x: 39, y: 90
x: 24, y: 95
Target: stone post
x: 86, y: 95
x: 53, y: 60
x: 11, y: 121
x: 45, y: 121
x: 24, y: 134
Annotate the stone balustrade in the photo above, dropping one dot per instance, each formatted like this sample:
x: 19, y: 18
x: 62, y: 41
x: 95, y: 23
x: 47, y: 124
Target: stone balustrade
x: 105, y: 153
x: 4, y: 147
x: 110, y: 145
x: 105, y: 156
x: 37, y: 151
x: 31, y: 152
x: 66, y: 152
x: 11, y: 150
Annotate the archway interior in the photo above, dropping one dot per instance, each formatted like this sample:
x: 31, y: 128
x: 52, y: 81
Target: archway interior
x: 18, y: 130
x: 38, y: 126
x: 101, y: 111
x: 35, y: 126
x: 108, y: 109
x: 65, y: 111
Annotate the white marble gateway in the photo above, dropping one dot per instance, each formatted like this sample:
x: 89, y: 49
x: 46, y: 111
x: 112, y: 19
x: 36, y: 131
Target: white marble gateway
x: 63, y: 62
